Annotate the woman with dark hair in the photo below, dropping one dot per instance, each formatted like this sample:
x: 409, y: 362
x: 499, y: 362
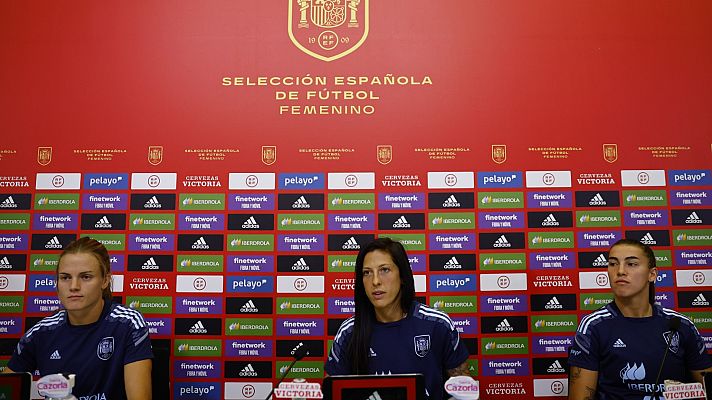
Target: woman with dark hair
x: 391, y: 333
x: 619, y: 348
x: 105, y: 345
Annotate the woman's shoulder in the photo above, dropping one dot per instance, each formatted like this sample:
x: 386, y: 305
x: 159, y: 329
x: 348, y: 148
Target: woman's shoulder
x: 47, y: 324
x: 121, y: 314
x: 427, y: 314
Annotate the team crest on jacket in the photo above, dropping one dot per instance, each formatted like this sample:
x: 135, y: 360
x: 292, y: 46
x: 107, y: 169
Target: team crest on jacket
x: 422, y: 345
x: 672, y: 338
x: 328, y: 29
x: 105, y: 349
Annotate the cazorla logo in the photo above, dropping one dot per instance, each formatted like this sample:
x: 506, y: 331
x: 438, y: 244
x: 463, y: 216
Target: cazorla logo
x: 328, y: 29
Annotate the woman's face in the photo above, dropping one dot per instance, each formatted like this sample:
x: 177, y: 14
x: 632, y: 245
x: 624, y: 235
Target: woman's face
x: 80, y: 282
x: 629, y: 272
x: 382, y: 282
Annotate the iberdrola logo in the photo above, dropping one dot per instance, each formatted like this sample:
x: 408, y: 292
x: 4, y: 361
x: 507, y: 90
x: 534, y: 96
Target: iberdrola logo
x: 235, y: 326
x: 337, y: 201
x: 328, y: 29
x: 188, y: 201
x: 183, y: 347
x: 490, y: 345
x: 439, y: 305
x: 185, y: 263
x: 285, y: 305
x: 236, y: 242
x: 135, y: 304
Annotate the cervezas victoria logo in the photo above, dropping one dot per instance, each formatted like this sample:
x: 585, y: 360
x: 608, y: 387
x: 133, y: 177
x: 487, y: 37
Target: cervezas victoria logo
x: 328, y: 29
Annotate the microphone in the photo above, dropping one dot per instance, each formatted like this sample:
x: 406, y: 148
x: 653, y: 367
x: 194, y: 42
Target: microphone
x: 298, y: 352
x: 674, y: 325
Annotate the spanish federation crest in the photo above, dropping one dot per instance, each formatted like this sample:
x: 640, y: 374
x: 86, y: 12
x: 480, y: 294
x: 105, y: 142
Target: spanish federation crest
x: 672, y: 338
x: 269, y: 155
x: 105, y: 349
x: 155, y: 154
x: 44, y: 155
x: 610, y: 152
x: 385, y: 153
x: 328, y: 29
x: 499, y: 153
x: 422, y: 345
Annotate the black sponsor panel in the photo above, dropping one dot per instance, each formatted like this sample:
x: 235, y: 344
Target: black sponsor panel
x: 550, y: 365
x: 450, y: 201
x: 509, y: 240
x: 7, y: 345
x: 332, y: 325
x: 248, y: 369
x: 192, y: 242
x: 553, y: 302
x: 15, y: 201
x: 348, y: 242
x: 284, y: 347
x: 304, y: 201
x: 161, y: 263
x: 601, y: 198
x: 420, y: 299
x: 300, y: 263
x: 695, y: 299
x: 453, y: 262
x: 592, y: 259
x: 198, y: 326
x: 507, y: 324
x: 31, y: 321
x: 401, y: 221
x: 56, y: 241
x: 558, y: 219
x: 470, y: 345
x: 153, y: 201
x: 103, y: 222
x: 695, y: 217
x: 13, y: 262
x: 651, y: 237
x: 250, y: 222
x: 249, y: 305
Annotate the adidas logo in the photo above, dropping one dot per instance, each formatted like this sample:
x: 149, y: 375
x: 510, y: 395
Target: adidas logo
x: 504, y: 326
x: 453, y: 264
x: 648, y: 239
x: 200, y: 244
x: 251, y: 223
x: 8, y: 203
x: 619, y: 344
x: 401, y: 223
x: 600, y: 261
x: 249, y: 307
x: 451, y: 202
x: 502, y: 242
x: 5, y: 263
x: 700, y: 300
x: 198, y: 328
x: 693, y: 219
x: 300, y: 265
x: 152, y: 203
x: 103, y: 222
x: 150, y: 264
x: 249, y: 370
x: 550, y: 221
x: 53, y: 243
x: 55, y: 356
x: 556, y: 368
x: 597, y: 200
x: 301, y: 203
x: 553, y: 304
x: 374, y: 396
x: 351, y: 244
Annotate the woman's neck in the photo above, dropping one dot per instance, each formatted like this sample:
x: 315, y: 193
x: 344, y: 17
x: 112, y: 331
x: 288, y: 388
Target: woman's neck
x: 392, y: 314
x: 634, y: 308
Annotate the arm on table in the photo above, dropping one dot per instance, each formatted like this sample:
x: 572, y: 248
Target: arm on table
x: 137, y: 380
x: 582, y: 383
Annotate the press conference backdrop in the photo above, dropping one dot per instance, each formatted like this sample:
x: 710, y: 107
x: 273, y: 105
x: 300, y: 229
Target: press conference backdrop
x: 234, y: 156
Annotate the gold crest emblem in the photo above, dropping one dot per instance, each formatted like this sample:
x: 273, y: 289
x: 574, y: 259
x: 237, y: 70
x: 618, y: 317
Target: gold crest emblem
x: 328, y: 29
x: 44, y: 155
x: 384, y: 153
x: 499, y: 153
x: 155, y: 155
x: 610, y: 152
x: 269, y: 155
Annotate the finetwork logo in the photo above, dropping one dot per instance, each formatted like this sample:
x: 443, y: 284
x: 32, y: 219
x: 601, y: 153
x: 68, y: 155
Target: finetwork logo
x: 301, y: 203
x: 251, y: 223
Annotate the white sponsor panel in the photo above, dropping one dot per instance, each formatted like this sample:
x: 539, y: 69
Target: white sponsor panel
x: 252, y: 180
x: 693, y: 278
x: 352, y: 180
x: 154, y: 180
x: 503, y: 282
x: 551, y: 387
x: 12, y: 283
x: 594, y: 280
x: 246, y: 390
x: 199, y: 284
x: 420, y: 283
x: 117, y: 283
x: 451, y: 180
x: 300, y: 284
x: 643, y: 177
x: 548, y: 179
x: 56, y: 181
